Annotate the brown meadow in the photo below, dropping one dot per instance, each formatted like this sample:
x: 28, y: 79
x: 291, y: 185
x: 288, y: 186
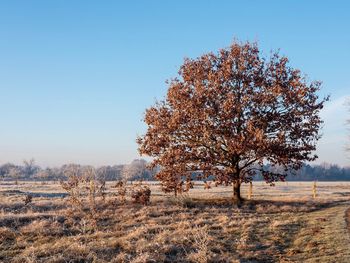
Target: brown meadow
x: 279, y: 224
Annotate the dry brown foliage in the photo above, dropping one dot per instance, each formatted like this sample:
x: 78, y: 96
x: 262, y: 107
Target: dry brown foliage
x: 138, y: 192
x: 141, y: 194
x: 28, y: 199
x: 86, y: 192
x: 121, y: 192
x: 228, y: 114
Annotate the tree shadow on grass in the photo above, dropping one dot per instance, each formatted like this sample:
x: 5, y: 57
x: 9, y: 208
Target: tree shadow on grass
x: 263, y: 206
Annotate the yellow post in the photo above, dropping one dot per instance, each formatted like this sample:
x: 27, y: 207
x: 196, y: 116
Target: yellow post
x: 250, y: 191
x: 314, y: 190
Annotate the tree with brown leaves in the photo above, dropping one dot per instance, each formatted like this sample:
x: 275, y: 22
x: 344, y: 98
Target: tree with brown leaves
x: 230, y: 113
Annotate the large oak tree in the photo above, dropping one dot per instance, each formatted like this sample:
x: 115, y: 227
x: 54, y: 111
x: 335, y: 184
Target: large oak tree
x: 229, y: 113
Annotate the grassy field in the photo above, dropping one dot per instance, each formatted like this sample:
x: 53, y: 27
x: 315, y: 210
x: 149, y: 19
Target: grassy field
x: 280, y: 224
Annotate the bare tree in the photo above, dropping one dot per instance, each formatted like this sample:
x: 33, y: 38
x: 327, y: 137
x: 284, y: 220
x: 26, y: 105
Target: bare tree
x: 15, y: 173
x: 43, y: 174
x: 30, y: 168
x: 135, y: 170
x: 5, y: 169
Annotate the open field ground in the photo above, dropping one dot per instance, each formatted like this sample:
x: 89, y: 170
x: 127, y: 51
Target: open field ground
x: 280, y: 224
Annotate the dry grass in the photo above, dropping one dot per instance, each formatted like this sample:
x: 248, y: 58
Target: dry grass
x: 280, y: 224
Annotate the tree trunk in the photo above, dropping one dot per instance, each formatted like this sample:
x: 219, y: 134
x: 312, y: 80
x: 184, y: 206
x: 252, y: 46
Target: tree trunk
x: 237, y: 199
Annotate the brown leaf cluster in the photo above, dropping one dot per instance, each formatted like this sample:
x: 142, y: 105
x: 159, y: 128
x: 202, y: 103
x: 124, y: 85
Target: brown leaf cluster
x: 230, y: 113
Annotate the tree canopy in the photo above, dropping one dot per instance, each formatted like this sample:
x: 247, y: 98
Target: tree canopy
x: 229, y: 113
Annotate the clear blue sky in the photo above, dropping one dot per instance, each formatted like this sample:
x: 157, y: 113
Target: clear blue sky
x: 76, y: 76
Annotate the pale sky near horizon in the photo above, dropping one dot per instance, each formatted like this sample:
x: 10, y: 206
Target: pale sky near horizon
x: 77, y: 76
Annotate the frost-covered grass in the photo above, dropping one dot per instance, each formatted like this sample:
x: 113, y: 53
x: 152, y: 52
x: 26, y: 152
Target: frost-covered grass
x: 280, y: 224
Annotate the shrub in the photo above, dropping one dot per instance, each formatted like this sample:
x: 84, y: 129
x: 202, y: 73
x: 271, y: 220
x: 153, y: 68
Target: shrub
x: 121, y: 191
x: 141, y: 195
x: 28, y: 199
x: 86, y: 192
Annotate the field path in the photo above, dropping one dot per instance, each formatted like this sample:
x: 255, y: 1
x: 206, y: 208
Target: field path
x: 324, y: 236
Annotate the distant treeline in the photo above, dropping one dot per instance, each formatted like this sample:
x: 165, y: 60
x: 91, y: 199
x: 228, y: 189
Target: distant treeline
x: 138, y: 170
x: 322, y: 172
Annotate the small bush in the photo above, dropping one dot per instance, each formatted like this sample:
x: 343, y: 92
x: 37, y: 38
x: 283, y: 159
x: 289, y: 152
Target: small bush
x: 86, y: 192
x: 28, y: 199
x: 121, y: 192
x: 141, y: 195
